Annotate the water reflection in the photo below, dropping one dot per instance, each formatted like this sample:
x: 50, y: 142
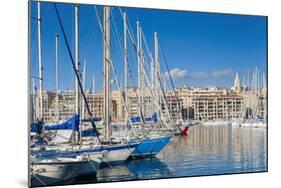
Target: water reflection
x: 149, y: 168
x: 216, y: 150
x: 114, y: 173
x: 205, y: 151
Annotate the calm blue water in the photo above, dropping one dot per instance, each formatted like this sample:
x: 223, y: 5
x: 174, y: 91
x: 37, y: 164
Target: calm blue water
x: 205, y: 151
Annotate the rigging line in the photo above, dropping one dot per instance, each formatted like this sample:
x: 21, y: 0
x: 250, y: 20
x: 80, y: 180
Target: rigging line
x: 153, y: 94
x: 138, y: 53
x: 132, y: 66
x: 118, y: 42
x: 76, y: 72
x: 90, y: 36
x: 170, y: 77
x: 34, y: 18
x: 103, y: 31
x: 128, y: 22
x: 113, y: 69
x: 134, y: 45
x: 118, y: 34
x: 131, y: 50
x: 116, y: 25
x: 123, y: 100
x: 145, y: 44
x: 130, y: 35
x: 165, y: 99
x: 145, y: 75
x: 89, y: 30
x: 72, y: 28
x: 98, y: 18
x: 91, y: 41
x: 33, y: 48
x: 129, y: 29
x: 145, y: 59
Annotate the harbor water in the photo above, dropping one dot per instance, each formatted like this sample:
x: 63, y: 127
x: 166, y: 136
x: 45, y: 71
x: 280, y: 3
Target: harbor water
x: 206, y: 150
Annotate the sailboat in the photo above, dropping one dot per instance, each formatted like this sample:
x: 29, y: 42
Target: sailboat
x: 215, y: 122
x: 252, y: 118
x: 112, y: 151
x: 153, y: 142
x: 117, y: 151
x: 54, y: 168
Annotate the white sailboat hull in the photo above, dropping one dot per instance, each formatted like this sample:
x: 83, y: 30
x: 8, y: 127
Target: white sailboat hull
x: 92, y: 166
x: 52, y: 173
x: 215, y: 123
x: 111, y: 153
x: 114, y: 156
x: 55, y: 171
x: 235, y: 123
x: 255, y: 124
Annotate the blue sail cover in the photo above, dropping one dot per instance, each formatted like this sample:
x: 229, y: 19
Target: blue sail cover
x: 154, y: 117
x: 39, y: 142
x: 88, y: 133
x: 95, y: 119
x: 36, y: 127
x: 147, y: 119
x: 137, y: 119
x: 72, y: 124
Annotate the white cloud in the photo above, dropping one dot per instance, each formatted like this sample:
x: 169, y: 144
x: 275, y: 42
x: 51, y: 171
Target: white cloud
x: 176, y: 73
x: 199, y: 75
x: 222, y: 73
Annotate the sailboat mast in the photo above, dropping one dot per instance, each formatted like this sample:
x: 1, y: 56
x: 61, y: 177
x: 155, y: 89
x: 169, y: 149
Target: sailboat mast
x: 157, y: 69
x: 258, y: 81
x: 57, y: 77
x: 152, y: 76
x: 33, y: 100
x: 265, y: 98
x: 40, y: 67
x: 84, y: 88
x: 94, y: 95
x: 106, y: 63
x: 139, y: 66
x: 141, y: 73
x: 256, y: 93
x: 77, y: 93
x: 151, y: 70
x: 125, y: 63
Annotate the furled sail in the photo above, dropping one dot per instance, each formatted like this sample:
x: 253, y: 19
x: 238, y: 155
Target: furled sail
x: 72, y: 124
x: 89, y: 133
x: 137, y: 119
x: 36, y: 127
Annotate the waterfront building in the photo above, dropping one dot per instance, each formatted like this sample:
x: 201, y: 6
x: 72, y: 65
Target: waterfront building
x: 190, y: 103
x: 217, y: 107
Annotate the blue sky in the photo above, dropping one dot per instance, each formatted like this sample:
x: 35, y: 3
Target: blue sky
x: 202, y: 49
